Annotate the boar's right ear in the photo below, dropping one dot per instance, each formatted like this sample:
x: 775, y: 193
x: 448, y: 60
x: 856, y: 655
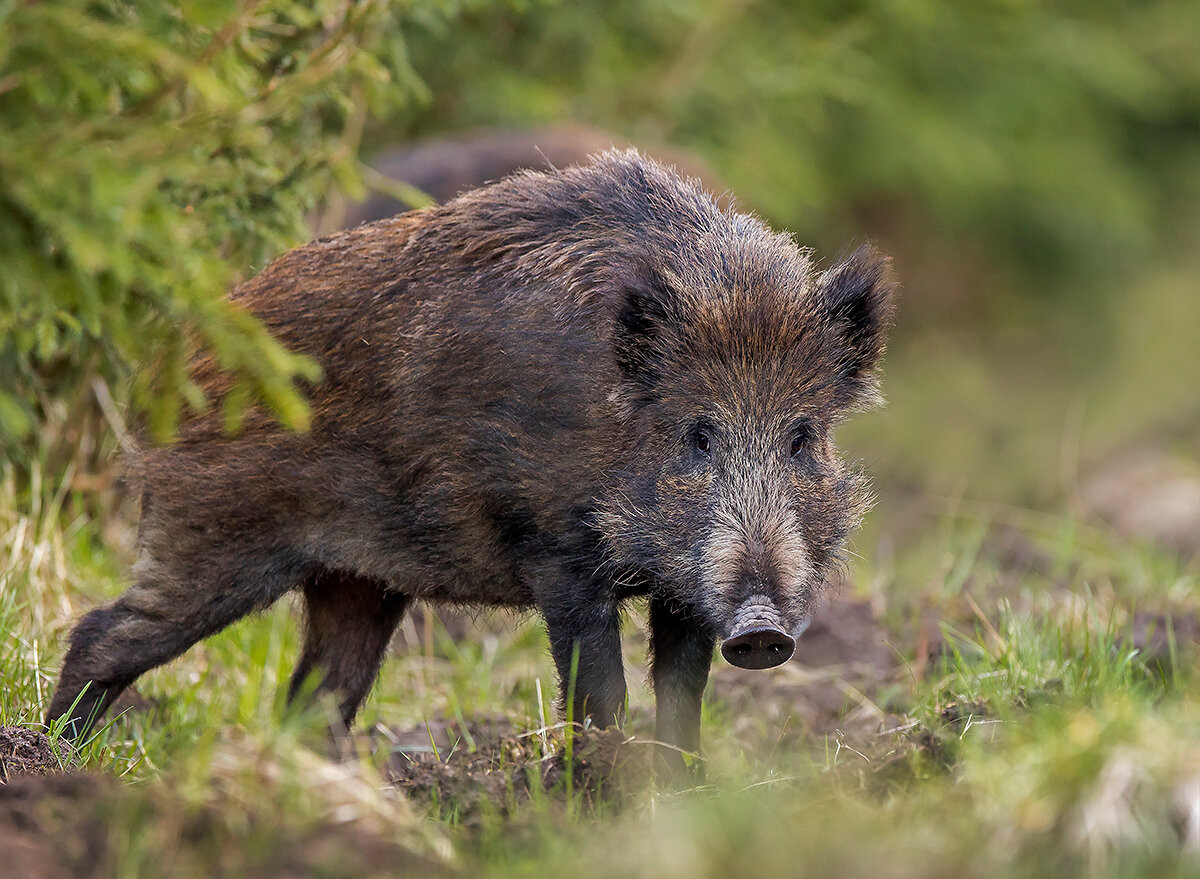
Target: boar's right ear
x: 643, y: 307
x: 855, y: 299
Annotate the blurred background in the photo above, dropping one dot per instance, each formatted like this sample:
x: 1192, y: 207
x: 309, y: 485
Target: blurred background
x: 1032, y: 168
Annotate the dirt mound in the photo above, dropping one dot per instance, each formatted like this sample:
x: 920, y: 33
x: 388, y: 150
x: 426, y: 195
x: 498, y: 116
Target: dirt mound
x: 89, y: 824
x: 26, y: 752
x: 36, y: 836
x: 846, y: 633
x: 840, y: 663
x: 1147, y: 493
x: 500, y: 772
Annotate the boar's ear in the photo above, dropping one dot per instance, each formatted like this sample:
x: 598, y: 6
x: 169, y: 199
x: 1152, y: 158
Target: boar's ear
x: 855, y: 299
x: 643, y: 307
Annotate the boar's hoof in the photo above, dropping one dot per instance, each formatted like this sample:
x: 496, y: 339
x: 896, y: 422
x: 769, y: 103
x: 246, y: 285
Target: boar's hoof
x: 760, y: 648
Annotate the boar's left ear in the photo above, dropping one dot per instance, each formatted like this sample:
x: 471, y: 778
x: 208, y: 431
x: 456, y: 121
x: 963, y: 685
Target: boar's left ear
x: 855, y: 300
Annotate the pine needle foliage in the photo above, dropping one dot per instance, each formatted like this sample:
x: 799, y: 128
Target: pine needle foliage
x: 150, y: 153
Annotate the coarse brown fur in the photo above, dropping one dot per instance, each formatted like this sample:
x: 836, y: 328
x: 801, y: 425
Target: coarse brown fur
x: 559, y: 391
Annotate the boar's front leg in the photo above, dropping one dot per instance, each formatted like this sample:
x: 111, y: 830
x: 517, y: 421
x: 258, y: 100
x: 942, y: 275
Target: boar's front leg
x: 585, y: 640
x: 682, y: 651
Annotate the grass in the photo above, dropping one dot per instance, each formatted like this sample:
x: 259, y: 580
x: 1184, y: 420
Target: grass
x: 1041, y: 740
x: 1035, y: 723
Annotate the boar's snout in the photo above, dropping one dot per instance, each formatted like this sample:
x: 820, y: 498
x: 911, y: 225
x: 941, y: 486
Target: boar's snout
x: 758, y: 639
x: 761, y: 648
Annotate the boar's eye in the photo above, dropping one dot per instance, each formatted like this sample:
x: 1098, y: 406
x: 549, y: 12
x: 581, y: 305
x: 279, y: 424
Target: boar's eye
x: 701, y: 439
x: 803, y: 436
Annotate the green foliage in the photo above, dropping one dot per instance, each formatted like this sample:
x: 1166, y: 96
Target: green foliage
x: 149, y: 153
x: 1061, y: 133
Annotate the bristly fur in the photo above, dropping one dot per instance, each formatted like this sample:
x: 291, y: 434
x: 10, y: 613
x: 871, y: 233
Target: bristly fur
x: 562, y: 390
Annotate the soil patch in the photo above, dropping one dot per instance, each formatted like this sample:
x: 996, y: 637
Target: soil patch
x: 84, y: 825
x: 495, y: 774
x: 846, y: 633
x: 26, y: 752
x: 55, y: 823
x: 831, y: 683
x: 41, y: 833
x: 1148, y: 494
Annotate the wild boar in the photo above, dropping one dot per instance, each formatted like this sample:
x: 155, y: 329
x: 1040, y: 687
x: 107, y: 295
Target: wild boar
x: 561, y: 391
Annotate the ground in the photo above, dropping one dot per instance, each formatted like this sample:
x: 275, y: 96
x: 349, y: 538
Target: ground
x: 1005, y: 684
x: 845, y: 718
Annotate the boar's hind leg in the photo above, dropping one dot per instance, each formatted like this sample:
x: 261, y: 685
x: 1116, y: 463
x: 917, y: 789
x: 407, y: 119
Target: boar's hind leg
x: 159, y: 618
x: 349, y: 622
x: 682, y: 653
x: 585, y: 639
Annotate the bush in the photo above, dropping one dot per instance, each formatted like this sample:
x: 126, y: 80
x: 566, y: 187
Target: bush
x: 148, y: 152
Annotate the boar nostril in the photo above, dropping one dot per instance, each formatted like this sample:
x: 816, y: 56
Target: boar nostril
x: 759, y: 648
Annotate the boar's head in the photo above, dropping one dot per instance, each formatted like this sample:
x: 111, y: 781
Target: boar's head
x: 736, y: 360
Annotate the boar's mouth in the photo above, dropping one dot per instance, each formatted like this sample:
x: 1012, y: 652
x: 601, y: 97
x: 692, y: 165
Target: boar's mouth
x: 758, y: 638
